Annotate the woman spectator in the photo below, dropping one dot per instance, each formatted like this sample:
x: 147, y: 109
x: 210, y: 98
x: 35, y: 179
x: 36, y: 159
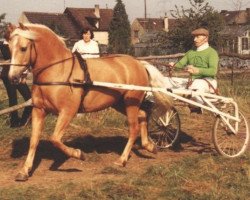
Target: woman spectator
x: 87, y: 47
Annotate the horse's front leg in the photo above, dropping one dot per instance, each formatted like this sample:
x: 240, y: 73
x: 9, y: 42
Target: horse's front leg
x: 63, y: 121
x: 38, y: 116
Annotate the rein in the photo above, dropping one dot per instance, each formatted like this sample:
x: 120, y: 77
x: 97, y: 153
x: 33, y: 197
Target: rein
x: 41, y: 69
x: 83, y: 64
x: 8, y: 64
x: 170, y: 69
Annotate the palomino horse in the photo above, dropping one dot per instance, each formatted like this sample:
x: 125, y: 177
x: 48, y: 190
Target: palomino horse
x: 55, y: 70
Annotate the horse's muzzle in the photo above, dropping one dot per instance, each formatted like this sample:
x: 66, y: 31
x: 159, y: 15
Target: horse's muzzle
x: 19, y: 78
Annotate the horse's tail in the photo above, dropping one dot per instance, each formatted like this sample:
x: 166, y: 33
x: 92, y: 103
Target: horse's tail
x: 157, y: 80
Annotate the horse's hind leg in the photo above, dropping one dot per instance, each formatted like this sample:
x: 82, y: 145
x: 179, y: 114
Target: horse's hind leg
x: 38, y: 116
x: 132, y: 115
x: 63, y: 121
x: 146, y: 143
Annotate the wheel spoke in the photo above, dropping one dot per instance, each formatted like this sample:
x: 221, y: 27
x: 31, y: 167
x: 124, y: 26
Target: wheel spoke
x: 164, y: 128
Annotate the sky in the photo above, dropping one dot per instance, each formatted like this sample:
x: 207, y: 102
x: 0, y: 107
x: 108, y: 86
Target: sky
x: 134, y: 8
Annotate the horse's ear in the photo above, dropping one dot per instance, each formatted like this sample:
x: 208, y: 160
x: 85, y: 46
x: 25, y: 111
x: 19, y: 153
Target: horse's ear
x: 11, y: 27
x: 21, y: 26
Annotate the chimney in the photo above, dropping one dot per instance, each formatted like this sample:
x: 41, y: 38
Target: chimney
x: 223, y: 11
x: 166, y: 25
x: 97, y: 11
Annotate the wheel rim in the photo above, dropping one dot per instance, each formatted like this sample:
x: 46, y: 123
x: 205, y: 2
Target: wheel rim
x: 229, y: 144
x: 164, y: 128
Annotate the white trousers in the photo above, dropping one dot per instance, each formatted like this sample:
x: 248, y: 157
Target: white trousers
x: 197, y: 84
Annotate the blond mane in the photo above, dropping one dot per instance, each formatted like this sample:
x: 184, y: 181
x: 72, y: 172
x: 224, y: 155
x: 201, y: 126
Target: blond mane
x: 34, y: 35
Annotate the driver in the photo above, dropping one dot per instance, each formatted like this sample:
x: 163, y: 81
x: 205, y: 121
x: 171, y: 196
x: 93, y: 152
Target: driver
x: 201, y: 63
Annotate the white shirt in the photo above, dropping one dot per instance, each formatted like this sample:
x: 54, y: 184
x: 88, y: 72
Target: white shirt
x: 87, y: 50
x: 203, y: 47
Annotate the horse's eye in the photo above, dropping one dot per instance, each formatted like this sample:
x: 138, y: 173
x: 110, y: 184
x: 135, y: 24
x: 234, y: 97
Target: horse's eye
x: 23, y: 49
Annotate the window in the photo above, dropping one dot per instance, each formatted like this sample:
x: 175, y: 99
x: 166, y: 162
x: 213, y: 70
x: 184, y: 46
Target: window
x: 244, y: 42
x: 136, y: 33
x: 233, y: 44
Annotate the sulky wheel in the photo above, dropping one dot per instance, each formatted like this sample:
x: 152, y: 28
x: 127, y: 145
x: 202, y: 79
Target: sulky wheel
x: 164, y: 127
x: 228, y: 143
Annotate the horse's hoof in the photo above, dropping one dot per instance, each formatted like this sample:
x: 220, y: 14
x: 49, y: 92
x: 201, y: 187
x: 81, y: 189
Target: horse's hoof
x: 79, y: 154
x: 120, y: 163
x: 155, y: 150
x: 21, y: 177
x: 151, y: 148
x: 82, y: 156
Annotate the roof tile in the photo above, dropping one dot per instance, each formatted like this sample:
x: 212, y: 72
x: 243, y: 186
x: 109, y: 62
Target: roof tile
x: 72, y: 20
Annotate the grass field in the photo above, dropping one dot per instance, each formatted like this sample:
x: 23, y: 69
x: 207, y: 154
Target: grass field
x: 194, y: 171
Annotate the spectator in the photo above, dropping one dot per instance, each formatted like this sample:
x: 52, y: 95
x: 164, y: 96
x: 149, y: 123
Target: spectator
x: 87, y: 47
x: 11, y: 89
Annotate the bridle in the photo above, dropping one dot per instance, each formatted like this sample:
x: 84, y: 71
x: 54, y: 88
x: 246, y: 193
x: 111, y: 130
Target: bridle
x: 29, y: 66
x: 31, y: 63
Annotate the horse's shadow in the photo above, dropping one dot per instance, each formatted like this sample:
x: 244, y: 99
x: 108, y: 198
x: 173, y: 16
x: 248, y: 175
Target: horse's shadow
x: 189, y: 143
x: 192, y: 144
x: 88, y: 144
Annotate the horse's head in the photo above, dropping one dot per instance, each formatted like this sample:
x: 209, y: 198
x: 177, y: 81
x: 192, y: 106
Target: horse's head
x: 34, y: 46
x: 23, y: 52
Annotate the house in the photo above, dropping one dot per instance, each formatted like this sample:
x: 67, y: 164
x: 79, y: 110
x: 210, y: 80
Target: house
x: 236, y: 35
x: 94, y: 18
x: 70, y: 23
x: 58, y: 22
x: 145, y: 30
x: 142, y: 26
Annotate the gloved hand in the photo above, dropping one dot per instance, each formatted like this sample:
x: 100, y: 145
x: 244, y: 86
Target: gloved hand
x: 192, y: 70
x: 171, y: 64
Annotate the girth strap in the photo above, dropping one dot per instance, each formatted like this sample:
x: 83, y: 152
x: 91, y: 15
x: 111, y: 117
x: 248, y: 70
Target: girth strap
x: 84, y: 67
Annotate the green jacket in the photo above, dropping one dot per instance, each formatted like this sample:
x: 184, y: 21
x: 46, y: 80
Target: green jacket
x: 206, y: 60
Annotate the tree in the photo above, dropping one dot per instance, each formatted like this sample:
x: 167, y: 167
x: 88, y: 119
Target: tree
x: 201, y: 14
x: 2, y: 24
x: 119, y: 30
x: 156, y: 43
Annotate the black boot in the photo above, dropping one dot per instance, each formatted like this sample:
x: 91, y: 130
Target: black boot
x: 26, y: 116
x: 14, y: 120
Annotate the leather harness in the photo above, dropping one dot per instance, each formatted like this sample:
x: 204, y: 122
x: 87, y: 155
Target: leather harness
x: 86, y: 81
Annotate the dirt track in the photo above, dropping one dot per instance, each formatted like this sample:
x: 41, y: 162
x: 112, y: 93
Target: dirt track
x: 52, y: 166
